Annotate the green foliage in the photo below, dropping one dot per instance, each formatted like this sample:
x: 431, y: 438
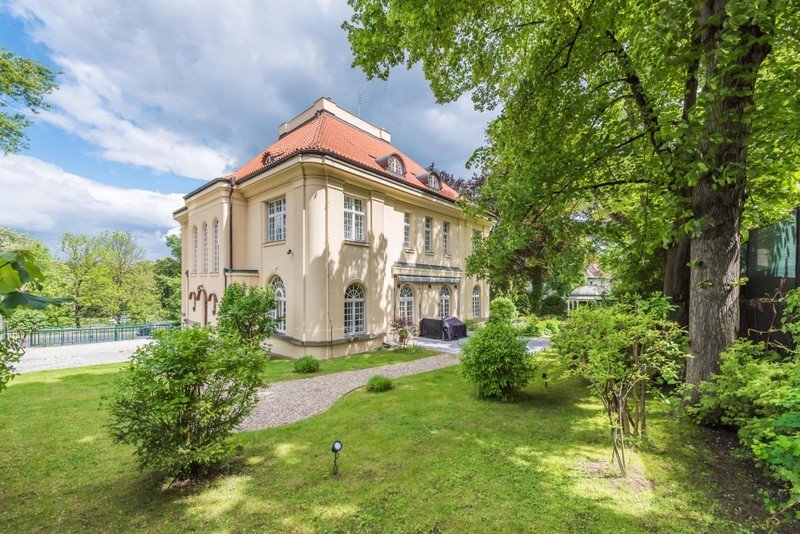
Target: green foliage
x: 522, y: 304
x: 553, y: 305
x: 306, y: 364
x: 379, y: 383
x: 622, y: 350
x: 244, y: 313
x: 502, y: 310
x: 758, y: 392
x: 10, y: 353
x: 167, y: 272
x: 181, y: 397
x: 496, y: 361
x: 23, y: 85
x: 471, y: 324
x: 530, y: 326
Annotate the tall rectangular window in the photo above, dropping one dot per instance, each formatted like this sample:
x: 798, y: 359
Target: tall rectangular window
x: 194, y: 249
x: 407, y: 230
x: 446, y: 237
x: 216, y: 247
x: 354, y: 219
x: 276, y: 220
x: 428, y: 245
x: 205, y: 248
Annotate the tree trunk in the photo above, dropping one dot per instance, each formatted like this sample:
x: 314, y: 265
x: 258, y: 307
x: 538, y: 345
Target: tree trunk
x: 537, y: 286
x: 676, y: 279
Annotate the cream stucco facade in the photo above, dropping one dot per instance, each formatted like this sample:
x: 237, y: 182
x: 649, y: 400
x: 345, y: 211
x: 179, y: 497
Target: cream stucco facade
x: 314, y: 260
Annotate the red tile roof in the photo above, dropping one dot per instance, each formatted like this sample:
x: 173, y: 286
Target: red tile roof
x: 328, y: 133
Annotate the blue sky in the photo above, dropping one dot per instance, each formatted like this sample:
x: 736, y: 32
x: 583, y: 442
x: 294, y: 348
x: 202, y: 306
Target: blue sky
x: 156, y: 97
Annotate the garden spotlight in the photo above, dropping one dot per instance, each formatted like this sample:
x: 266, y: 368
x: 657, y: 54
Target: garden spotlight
x: 335, y: 448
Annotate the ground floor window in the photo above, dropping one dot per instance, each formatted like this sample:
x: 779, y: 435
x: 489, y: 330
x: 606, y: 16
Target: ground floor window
x: 444, y: 302
x: 279, y: 312
x: 354, y: 310
x: 476, y: 302
x: 407, y: 303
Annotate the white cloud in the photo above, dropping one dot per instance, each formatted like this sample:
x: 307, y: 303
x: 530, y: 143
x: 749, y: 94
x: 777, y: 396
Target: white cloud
x: 193, y: 88
x: 45, y: 200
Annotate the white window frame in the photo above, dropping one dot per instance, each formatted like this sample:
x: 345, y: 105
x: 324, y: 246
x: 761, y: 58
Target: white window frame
x: 355, y: 310
x: 205, y: 247
x: 215, y: 230
x: 355, y: 219
x: 195, y: 248
x: 279, y: 313
x: 406, y: 310
x: 444, y: 302
x: 476, y: 302
x: 276, y: 220
x: 433, y: 182
x: 428, y: 234
x: 446, y: 237
x: 395, y: 165
x: 407, y: 230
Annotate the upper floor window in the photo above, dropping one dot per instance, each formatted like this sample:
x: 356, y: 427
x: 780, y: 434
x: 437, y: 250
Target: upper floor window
x: 407, y: 230
x: 444, y: 302
x: 354, y: 218
x: 446, y: 237
x: 476, y: 302
x: 428, y: 245
x: 215, y: 231
x: 395, y: 165
x: 205, y: 247
x: 276, y: 220
x: 195, y: 247
x: 354, y: 310
x: 433, y: 182
x: 279, y: 313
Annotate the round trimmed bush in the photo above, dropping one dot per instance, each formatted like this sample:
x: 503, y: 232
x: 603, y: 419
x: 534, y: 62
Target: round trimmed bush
x: 502, y: 310
x: 379, y: 383
x: 306, y: 364
x: 553, y: 305
x: 495, y: 359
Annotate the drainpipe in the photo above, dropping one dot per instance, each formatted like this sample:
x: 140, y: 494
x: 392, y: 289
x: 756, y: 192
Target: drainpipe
x: 230, y: 232
x: 328, y: 262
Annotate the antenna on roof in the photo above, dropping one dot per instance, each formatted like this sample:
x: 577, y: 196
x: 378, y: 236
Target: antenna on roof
x: 359, y: 105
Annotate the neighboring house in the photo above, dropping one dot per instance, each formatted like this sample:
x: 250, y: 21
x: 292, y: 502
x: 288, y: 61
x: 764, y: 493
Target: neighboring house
x: 348, y: 230
x: 597, y: 286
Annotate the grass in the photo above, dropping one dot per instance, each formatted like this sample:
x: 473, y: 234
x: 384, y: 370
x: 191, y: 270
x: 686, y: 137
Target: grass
x: 283, y: 369
x: 424, y: 456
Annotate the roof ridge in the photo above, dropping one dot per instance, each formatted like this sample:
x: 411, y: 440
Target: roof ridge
x: 353, y: 126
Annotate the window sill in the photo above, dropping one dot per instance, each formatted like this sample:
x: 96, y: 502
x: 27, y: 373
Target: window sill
x: 273, y: 243
x: 447, y: 255
x: 428, y: 253
x: 410, y: 251
x: 356, y: 243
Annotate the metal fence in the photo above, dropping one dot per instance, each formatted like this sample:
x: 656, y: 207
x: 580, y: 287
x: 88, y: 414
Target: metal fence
x: 54, y: 337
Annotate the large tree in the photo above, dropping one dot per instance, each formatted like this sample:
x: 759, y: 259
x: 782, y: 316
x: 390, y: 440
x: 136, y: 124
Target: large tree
x: 693, y: 103
x: 167, y: 273
x: 127, y: 288
x: 81, y: 274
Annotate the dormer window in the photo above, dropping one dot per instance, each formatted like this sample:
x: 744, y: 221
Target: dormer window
x: 433, y: 182
x: 395, y: 165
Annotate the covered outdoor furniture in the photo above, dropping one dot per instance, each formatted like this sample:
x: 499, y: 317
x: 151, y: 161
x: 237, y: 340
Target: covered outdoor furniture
x: 448, y: 328
x: 453, y: 328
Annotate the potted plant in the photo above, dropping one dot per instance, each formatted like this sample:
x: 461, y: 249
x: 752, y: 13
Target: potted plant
x: 403, y: 328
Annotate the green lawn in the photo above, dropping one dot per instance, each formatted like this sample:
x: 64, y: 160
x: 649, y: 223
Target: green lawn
x: 424, y: 456
x: 282, y: 369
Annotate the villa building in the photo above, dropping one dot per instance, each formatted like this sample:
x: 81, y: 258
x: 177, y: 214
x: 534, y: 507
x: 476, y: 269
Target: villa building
x: 348, y: 230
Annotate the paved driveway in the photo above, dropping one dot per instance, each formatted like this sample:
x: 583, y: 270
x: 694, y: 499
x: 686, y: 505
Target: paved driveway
x: 453, y: 347
x: 47, y: 358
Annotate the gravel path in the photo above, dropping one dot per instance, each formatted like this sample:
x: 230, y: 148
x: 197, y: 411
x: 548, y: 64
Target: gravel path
x: 294, y: 400
x: 47, y: 358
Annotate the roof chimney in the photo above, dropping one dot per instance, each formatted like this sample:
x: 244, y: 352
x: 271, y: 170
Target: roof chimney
x: 328, y: 105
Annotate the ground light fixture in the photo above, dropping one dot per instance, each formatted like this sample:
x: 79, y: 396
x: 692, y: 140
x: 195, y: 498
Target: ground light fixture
x: 335, y: 449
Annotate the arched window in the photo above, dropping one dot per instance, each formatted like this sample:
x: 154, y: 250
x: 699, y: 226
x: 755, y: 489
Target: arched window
x: 407, y: 303
x: 279, y: 312
x: 354, y: 310
x: 216, y: 247
x: 433, y: 182
x: 476, y: 302
x: 444, y: 302
x: 194, y: 249
x: 395, y: 165
x: 205, y: 247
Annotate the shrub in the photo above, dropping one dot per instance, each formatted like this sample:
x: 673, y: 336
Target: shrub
x: 553, y: 305
x: 180, y: 398
x: 379, y: 383
x: 550, y: 326
x: 758, y: 392
x: 403, y: 328
x: 496, y: 361
x: 530, y: 326
x: 306, y: 364
x: 622, y: 351
x: 471, y: 324
x: 502, y: 310
x: 244, y: 313
x: 522, y: 303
